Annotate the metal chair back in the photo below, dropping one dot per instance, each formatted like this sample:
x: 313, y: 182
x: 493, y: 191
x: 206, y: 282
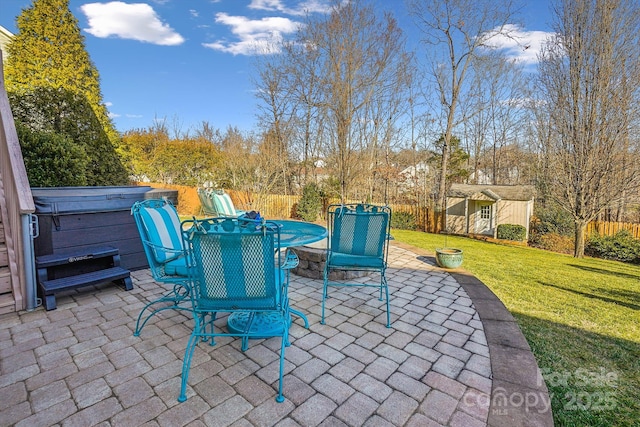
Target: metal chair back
x: 233, y: 263
x: 158, y: 224
x: 359, y: 229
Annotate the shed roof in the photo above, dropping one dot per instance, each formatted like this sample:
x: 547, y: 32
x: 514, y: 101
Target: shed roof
x: 495, y: 192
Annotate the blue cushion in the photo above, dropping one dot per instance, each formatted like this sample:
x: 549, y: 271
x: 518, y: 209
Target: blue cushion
x: 162, y: 226
x: 346, y: 261
x: 224, y: 205
x: 177, y: 267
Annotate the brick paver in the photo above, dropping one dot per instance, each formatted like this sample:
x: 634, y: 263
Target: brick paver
x: 81, y: 365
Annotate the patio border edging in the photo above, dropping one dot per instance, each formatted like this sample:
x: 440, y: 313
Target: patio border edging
x: 519, y: 395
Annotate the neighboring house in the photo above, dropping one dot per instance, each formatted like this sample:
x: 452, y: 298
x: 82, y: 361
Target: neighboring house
x: 479, y: 209
x: 414, y: 175
x: 5, y: 38
x: 481, y: 177
x: 485, y: 176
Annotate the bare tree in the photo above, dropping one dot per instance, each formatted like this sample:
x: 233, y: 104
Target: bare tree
x: 494, y: 125
x: 589, y: 81
x: 277, y: 116
x: 459, y: 30
x: 342, y: 67
x: 304, y: 62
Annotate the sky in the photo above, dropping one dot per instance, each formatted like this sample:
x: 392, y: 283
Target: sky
x: 191, y: 61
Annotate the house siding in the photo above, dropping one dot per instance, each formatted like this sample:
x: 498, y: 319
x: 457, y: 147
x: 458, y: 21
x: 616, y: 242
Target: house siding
x: 462, y: 215
x: 514, y: 212
x: 456, y: 220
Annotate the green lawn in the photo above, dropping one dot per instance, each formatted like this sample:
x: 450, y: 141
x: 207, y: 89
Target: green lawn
x: 581, y: 318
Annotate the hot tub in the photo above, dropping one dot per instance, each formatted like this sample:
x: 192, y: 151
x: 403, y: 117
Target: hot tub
x: 77, y: 217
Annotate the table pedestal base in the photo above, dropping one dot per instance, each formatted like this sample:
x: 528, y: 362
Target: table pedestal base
x: 264, y: 325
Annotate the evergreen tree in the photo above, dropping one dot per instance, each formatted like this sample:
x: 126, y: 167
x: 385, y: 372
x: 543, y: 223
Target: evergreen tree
x: 68, y: 116
x: 48, y: 54
x: 49, y: 51
x: 310, y: 203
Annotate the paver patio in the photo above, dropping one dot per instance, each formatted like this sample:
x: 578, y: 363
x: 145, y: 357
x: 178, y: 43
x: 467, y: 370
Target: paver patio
x: 453, y: 357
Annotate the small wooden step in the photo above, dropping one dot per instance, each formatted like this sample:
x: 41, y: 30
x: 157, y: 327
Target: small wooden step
x: 7, y: 304
x: 49, y: 287
x: 5, y: 280
x: 4, y: 255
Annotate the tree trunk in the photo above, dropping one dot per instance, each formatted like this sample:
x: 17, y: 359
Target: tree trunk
x: 441, y: 203
x: 580, y: 229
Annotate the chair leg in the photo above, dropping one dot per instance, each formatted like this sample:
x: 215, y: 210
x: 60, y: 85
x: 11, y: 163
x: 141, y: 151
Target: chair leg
x: 186, y: 364
x: 283, y: 344
x: 383, y: 287
x: 247, y: 329
x: 386, y: 290
x: 209, y: 328
x: 324, y: 294
x: 174, y: 297
x: 302, y: 316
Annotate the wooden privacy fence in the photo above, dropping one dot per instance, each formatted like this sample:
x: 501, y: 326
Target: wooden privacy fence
x: 605, y: 228
x: 279, y: 206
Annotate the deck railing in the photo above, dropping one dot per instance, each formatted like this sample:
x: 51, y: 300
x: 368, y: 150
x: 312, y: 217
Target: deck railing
x: 17, y: 207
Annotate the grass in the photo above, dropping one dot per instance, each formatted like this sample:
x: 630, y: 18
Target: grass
x: 581, y: 318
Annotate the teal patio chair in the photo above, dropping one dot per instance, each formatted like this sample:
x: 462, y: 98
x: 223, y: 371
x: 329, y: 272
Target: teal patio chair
x: 217, y: 203
x: 207, y: 207
x: 358, y: 241
x: 159, y: 228
x: 236, y: 266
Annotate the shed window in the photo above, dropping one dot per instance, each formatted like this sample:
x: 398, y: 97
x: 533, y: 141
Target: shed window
x: 485, y: 212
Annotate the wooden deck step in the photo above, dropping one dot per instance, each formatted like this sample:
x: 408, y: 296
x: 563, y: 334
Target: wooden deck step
x: 7, y: 304
x: 5, y: 280
x: 4, y: 256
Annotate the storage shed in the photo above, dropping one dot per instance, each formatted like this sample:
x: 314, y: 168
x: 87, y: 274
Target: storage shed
x: 479, y: 209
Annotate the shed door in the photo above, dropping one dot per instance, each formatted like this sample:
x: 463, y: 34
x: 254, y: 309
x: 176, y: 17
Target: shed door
x: 483, y: 218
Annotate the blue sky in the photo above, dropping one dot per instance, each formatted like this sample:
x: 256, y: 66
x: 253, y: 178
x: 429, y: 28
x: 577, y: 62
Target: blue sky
x: 189, y: 61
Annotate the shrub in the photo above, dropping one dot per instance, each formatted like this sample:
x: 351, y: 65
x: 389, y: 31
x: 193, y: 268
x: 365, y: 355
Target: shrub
x: 554, y: 242
x: 511, y: 232
x: 310, y: 203
x: 552, y: 228
x: 51, y: 159
x: 552, y: 219
x: 620, y: 247
x: 403, y: 221
x: 59, y: 111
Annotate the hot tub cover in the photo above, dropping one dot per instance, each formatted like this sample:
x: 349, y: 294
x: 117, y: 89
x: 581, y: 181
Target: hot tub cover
x: 74, y: 200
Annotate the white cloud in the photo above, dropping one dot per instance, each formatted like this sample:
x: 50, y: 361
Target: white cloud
x: 518, y: 44
x: 304, y: 7
x: 254, y: 36
x: 135, y: 21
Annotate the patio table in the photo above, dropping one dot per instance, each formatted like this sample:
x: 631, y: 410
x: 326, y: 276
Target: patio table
x: 292, y: 233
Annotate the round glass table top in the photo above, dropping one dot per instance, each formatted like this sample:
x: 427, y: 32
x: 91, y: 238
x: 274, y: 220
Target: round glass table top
x: 299, y: 233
